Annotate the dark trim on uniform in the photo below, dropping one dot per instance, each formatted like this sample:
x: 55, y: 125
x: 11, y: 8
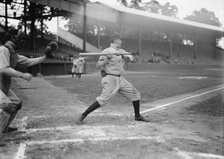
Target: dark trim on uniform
x: 113, y: 75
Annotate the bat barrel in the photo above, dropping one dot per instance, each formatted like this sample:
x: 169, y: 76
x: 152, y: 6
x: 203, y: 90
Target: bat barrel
x: 100, y: 54
x: 90, y: 54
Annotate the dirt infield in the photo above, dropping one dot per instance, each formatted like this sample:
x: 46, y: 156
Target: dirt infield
x: 188, y: 129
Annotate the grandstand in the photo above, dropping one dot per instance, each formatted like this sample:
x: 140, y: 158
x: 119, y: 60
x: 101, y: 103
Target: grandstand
x: 181, y: 54
x: 65, y: 52
x: 149, y: 51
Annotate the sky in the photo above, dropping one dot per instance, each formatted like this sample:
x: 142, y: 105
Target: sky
x: 185, y: 7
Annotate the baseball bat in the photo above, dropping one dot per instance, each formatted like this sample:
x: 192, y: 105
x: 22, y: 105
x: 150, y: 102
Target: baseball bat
x: 102, y: 54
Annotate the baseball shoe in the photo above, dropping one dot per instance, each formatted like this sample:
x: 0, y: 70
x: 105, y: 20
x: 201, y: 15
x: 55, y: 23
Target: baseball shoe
x: 10, y: 129
x: 141, y: 118
x: 80, y: 119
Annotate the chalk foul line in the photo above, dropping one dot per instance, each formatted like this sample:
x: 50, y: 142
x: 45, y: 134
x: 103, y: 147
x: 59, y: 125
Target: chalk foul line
x: 21, y: 151
x: 184, y: 99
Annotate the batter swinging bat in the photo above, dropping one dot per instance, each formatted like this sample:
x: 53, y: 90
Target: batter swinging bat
x: 102, y: 54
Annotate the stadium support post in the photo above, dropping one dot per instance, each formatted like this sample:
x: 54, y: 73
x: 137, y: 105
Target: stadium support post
x: 214, y: 50
x: 6, y: 17
x: 57, y: 39
x: 195, y: 47
x: 139, y: 41
x: 65, y: 68
x: 98, y: 34
x: 84, y: 26
x: 39, y: 66
x: 171, y: 47
x: 25, y: 14
x: 33, y: 19
x: 42, y: 23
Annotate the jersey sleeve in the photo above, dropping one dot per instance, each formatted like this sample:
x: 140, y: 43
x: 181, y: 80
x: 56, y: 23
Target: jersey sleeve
x: 4, y: 58
x: 27, y: 62
x: 102, y: 60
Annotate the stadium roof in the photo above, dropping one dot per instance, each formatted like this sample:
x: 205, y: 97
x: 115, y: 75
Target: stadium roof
x: 128, y: 16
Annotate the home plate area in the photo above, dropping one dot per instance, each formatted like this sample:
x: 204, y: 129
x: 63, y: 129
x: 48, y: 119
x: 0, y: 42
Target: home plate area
x: 131, y: 141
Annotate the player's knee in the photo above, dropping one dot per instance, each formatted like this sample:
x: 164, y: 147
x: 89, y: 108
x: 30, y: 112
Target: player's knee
x: 137, y: 96
x: 10, y: 108
x: 19, y: 106
x: 101, y: 102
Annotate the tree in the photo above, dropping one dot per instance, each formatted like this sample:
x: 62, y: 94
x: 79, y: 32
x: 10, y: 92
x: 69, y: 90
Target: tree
x: 169, y: 10
x: 152, y: 6
x: 75, y: 24
x: 136, y: 4
x: 204, y: 16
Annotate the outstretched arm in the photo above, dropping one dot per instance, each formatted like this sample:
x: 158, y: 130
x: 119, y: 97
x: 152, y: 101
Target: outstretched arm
x: 52, y: 46
x: 5, y: 68
x: 30, y: 61
x: 13, y: 73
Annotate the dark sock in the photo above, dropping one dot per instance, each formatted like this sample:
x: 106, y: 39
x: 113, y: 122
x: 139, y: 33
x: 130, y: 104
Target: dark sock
x: 136, y: 108
x: 91, y: 108
x: 10, y: 129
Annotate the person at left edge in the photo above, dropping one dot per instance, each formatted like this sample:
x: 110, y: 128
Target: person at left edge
x: 9, y: 58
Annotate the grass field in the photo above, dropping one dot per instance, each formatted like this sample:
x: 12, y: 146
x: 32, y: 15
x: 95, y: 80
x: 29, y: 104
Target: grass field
x: 151, y: 85
x: 191, y: 129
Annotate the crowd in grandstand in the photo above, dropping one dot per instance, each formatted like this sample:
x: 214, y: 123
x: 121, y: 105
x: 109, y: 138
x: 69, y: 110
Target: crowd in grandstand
x: 67, y: 51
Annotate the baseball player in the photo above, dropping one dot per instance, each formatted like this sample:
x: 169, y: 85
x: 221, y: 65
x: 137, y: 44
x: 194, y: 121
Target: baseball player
x: 113, y: 82
x: 9, y: 102
x: 74, y: 66
x: 78, y: 64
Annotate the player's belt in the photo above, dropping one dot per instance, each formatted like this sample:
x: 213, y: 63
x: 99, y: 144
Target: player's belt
x: 113, y: 75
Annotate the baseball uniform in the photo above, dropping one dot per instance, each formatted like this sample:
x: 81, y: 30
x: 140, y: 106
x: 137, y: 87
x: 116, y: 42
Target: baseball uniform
x: 114, y: 82
x: 9, y: 59
x: 79, y: 65
x: 112, y: 68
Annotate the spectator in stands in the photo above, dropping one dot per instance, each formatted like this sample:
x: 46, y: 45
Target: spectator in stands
x: 9, y: 58
x: 136, y: 56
